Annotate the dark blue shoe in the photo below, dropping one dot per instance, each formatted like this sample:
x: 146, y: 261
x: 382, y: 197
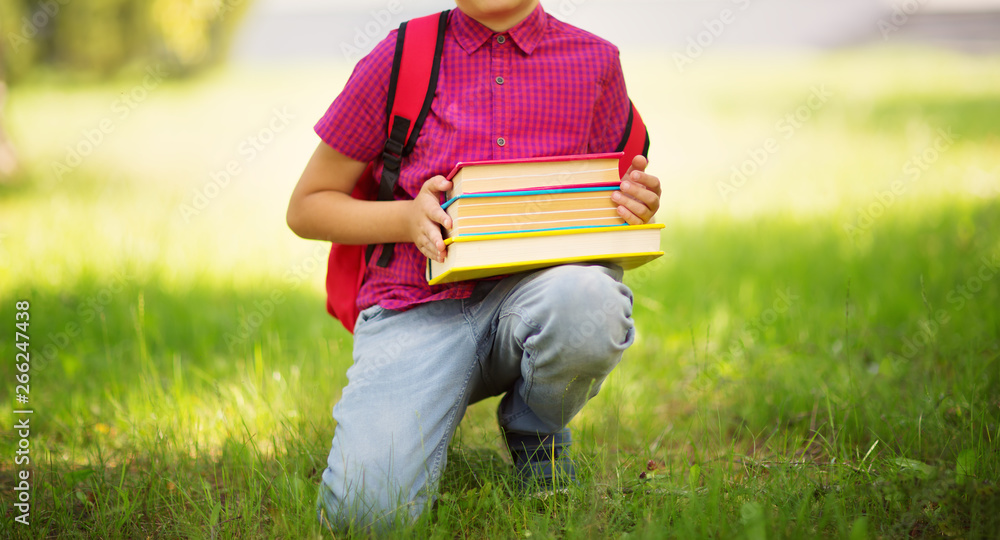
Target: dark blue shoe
x: 541, y: 462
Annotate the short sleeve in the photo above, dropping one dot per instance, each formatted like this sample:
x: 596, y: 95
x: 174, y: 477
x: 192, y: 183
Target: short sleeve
x: 611, y: 109
x: 355, y: 123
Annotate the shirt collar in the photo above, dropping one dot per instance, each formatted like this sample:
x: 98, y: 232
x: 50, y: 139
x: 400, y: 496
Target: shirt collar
x: 471, y: 34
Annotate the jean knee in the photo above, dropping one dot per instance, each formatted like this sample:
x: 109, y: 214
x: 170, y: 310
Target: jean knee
x: 575, y: 290
x: 593, y: 313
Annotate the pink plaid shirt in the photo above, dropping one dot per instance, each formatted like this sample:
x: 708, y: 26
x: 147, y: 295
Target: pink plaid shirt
x: 543, y: 88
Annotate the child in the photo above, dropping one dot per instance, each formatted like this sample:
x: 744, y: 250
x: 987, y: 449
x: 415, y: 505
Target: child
x: 514, y: 82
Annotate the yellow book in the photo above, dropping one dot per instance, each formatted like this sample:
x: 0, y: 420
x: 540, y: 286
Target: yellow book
x: 480, y: 256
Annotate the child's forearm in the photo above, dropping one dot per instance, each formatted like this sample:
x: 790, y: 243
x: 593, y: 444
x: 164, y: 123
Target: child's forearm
x: 337, y: 217
x: 321, y: 209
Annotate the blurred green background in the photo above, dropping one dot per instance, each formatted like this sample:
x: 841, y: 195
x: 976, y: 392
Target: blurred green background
x: 100, y: 38
x: 818, y: 353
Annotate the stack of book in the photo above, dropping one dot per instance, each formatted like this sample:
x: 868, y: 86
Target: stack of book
x: 516, y: 215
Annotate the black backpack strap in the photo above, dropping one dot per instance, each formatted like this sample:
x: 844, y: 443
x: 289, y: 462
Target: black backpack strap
x: 414, y: 65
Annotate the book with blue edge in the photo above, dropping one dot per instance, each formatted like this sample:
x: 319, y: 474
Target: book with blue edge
x: 523, y: 214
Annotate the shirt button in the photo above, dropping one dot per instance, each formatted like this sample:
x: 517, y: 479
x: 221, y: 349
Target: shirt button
x: 501, y: 141
x: 499, y: 80
x: 501, y: 39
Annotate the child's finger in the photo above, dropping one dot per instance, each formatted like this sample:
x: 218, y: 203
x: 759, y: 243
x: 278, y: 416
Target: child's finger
x: 432, y: 190
x: 433, y: 246
x: 434, y: 213
x: 441, y: 217
x: 639, y: 163
x: 427, y: 249
x: 646, y: 180
x: 631, y: 191
x: 437, y: 185
x: 634, y: 212
x: 638, y: 192
x: 630, y: 217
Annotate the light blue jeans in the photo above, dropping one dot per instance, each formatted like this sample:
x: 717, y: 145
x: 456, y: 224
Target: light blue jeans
x: 547, y: 339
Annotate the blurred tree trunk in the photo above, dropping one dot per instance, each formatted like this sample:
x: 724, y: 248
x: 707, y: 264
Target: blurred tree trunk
x: 8, y: 159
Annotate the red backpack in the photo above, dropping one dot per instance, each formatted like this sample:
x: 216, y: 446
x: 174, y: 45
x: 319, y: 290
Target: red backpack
x: 415, y: 66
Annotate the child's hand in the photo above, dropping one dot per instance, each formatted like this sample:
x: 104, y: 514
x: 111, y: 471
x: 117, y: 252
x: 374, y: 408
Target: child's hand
x: 427, y: 217
x: 639, y: 197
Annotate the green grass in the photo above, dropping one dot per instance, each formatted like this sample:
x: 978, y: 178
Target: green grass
x: 790, y: 379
